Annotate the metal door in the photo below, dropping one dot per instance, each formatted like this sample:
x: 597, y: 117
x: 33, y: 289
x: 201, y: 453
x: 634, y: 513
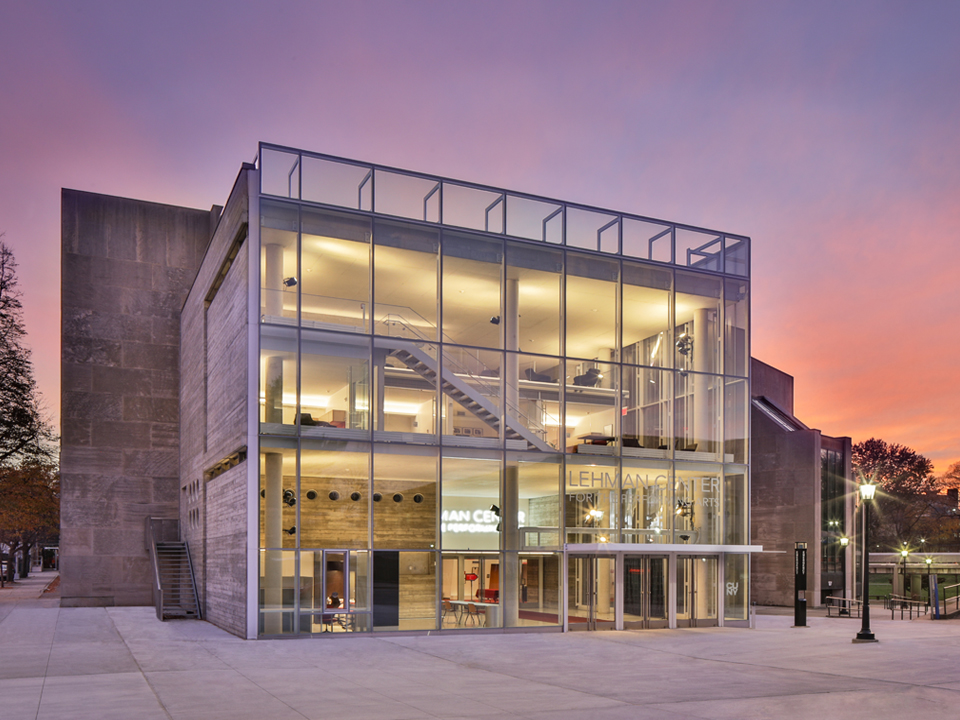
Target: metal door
x: 644, y: 591
x: 591, y: 592
x: 697, y: 594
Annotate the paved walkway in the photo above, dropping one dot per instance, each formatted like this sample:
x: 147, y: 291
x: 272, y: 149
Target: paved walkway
x: 104, y: 663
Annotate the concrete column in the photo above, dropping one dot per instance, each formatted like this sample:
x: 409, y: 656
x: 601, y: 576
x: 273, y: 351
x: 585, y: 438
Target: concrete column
x: 273, y: 538
x: 273, y: 280
x: 703, y: 357
x: 273, y: 462
x: 510, y: 530
x: 379, y: 384
x: 511, y: 372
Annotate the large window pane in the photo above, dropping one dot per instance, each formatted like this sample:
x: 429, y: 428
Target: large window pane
x: 592, y: 407
x: 335, y: 271
x: 696, y: 412
x: 737, y: 591
x: 334, y: 383
x: 278, y: 493
x: 698, y: 500
x: 334, y: 496
x: 334, y: 183
x: 736, y: 407
x: 647, y: 401
x: 277, y: 530
x: 404, y: 590
x: 471, y: 514
x: 471, y: 398
x: 532, y: 398
x: 406, y: 377
x: 646, y: 315
x: 279, y: 275
x: 591, y: 307
x: 404, y: 497
x: 405, y: 281
x: 279, y: 173
x: 278, y: 592
x: 697, y: 331
x: 532, y: 485
x: 471, y: 291
x: 735, y: 507
x: 646, y: 499
x: 647, y: 240
x: 591, y: 499
x: 472, y: 590
x: 278, y: 379
x: 535, y: 272
x: 736, y: 324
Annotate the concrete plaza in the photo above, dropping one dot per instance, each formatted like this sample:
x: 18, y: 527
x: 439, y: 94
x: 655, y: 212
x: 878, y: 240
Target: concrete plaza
x: 104, y: 663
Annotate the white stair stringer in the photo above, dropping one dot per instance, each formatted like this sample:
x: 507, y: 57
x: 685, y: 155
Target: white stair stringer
x: 456, y: 387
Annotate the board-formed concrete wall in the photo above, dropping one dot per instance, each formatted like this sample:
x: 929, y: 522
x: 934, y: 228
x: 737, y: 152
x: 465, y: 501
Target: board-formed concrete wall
x: 213, y: 415
x: 126, y: 268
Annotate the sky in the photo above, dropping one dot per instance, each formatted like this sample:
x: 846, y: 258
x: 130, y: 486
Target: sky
x: 827, y: 132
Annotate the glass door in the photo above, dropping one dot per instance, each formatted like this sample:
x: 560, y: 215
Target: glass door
x: 697, y: 590
x: 591, y: 592
x: 644, y: 591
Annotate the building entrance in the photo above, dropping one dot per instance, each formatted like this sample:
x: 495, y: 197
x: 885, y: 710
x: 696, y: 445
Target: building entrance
x: 697, y: 593
x: 591, y: 592
x: 645, y: 591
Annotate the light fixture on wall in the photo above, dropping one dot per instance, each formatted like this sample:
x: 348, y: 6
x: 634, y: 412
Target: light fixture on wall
x: 289, y: 498
x: 684, y: 508
x: 311, y: 494
x: 291, y: 530
x: 684, y: 344
x: 290, y: 282
x: 334, y: 495
x: 495, y: 320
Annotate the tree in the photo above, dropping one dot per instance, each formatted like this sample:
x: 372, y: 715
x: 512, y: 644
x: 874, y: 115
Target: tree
x: 951, y: 478
x: 25, y: 437
x: 29, y: 509
x: 908, y: 489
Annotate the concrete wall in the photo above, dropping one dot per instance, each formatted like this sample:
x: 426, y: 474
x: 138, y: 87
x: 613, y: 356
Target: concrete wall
x: 785, y: 508
x: 126, y: 268
x: 766, y: 381
x: 213, y: 418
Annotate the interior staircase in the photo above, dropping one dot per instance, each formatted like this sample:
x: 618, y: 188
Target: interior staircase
x: 465, y: 393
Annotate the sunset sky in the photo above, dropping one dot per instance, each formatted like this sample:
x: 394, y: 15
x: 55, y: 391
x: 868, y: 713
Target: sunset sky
x: 828, y: 132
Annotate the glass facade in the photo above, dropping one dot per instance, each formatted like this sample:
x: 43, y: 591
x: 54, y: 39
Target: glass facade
x: 459, y: 386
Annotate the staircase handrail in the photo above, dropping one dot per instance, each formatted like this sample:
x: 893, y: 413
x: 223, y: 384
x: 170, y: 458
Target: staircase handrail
x: 459, y: 368
x: 193, y: 581
x: 157, y: 589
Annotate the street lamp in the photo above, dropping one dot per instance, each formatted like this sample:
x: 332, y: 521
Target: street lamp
x: 867, y: 491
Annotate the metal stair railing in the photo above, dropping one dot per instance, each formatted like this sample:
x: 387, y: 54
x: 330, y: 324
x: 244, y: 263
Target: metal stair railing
x: 173, y: 568
x: 905, y: 605
x: 398, y: 320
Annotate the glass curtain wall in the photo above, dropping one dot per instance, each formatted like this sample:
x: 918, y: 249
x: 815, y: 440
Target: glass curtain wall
x: 441, y: 410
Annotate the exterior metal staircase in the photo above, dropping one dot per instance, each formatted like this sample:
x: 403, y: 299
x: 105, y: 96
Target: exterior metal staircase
x: 175, y: 588
x: 462, y: 390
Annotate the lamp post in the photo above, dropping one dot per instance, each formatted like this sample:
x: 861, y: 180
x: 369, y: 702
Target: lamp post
x: 844, y: 542
x: 903, y: 556
x: 867, y: 491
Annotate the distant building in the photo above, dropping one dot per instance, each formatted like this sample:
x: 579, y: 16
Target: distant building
x: 802, y: 490
x: 379, y: 400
